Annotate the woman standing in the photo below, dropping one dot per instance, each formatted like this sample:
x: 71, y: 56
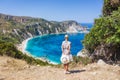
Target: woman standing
x: 66, y: 56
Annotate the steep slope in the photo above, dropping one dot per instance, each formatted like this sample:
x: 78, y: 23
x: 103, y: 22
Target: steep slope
x: 20, y: 27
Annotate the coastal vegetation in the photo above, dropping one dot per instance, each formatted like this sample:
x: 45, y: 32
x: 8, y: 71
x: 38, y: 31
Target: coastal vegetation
x: 103, y: 41
x: 7, y: 48
x: 81, y: 60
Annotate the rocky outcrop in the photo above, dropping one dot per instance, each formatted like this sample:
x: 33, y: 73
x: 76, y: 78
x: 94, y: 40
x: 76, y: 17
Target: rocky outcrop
x: 101, y: 62
x: 72, y: 26
x: 83, y: 53
x: 107, y: 52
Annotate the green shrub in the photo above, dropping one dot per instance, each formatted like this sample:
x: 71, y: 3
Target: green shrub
x: 7, y: 48
x: 80, y: 61
x: 106, y: 30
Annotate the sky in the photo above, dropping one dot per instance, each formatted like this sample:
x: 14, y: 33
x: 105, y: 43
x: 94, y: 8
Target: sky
x: 83, y: 11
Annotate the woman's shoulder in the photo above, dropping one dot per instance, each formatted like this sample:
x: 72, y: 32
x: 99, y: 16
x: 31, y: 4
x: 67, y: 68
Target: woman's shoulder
x: 63, y: 42
x: 69, y: 42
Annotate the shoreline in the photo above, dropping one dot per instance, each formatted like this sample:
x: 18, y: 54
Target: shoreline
x: 21, y: 47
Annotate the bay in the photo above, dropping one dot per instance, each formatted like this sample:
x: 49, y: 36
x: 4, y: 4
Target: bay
x: 49, y: 46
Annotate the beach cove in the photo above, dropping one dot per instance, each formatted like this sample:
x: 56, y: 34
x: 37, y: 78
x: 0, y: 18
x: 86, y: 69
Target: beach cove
x: 48, y: 47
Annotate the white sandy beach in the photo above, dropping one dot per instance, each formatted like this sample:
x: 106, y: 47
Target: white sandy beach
x: 21, y: 47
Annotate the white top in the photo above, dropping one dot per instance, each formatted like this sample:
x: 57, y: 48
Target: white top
x: 66, y: 47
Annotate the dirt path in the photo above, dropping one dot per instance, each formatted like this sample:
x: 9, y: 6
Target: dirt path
x: 13, y: 69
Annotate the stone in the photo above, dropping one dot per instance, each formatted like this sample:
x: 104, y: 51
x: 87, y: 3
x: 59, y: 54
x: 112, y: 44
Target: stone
x: 101, y: 62
x: 83, y: 53
x: 94, y: 73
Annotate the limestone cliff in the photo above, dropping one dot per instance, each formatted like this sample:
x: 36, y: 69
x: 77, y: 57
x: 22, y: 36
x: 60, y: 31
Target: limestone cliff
x: 21, y: 27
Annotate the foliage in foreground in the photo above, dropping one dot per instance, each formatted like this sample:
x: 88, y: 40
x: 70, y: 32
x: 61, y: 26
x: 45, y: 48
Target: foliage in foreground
x: 106, y: 32
x: 7, y: 48
x: 81, y: 60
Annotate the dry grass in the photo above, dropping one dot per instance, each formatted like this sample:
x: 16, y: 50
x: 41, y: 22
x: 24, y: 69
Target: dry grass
x: 14, y: 69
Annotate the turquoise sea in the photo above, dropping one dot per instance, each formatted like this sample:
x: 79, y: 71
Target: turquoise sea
x: 49, y: 46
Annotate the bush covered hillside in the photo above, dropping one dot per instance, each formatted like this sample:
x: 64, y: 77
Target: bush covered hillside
x: 104, y: 38
x: 7, y: 48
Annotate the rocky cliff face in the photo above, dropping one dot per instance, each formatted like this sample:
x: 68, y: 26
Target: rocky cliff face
x: 22, y: 28
x: 71, y: 26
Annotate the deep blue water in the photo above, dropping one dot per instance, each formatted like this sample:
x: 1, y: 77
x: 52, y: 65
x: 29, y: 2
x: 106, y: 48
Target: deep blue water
x: 89, y: 25
x: 49, y: 46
